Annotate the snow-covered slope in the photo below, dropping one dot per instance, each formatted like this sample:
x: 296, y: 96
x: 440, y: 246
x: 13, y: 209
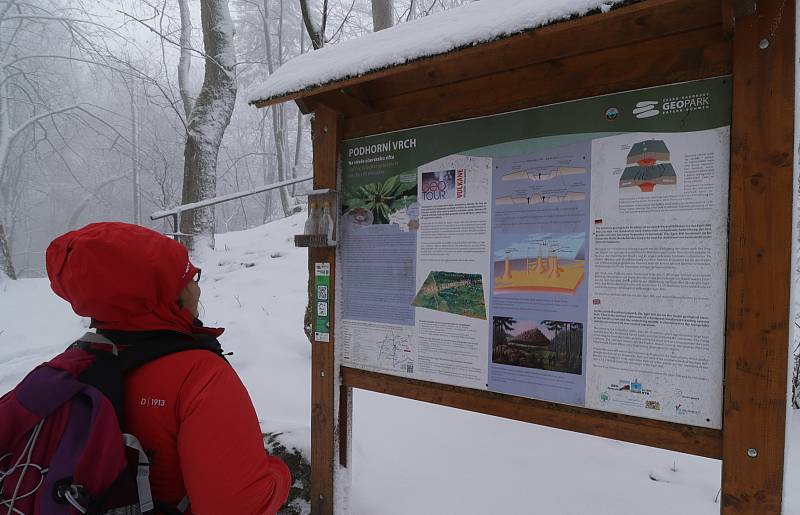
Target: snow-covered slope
x: 408, y: 457
x: 35, y: 324
x: 254, y: 285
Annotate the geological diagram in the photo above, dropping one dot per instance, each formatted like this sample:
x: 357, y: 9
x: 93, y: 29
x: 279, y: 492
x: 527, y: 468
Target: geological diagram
x: 648, y: 167
x: 541, y: 263
x: 540, y: 186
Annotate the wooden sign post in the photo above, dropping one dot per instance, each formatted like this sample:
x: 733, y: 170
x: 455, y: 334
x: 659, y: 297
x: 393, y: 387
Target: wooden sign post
x: 645, y: 44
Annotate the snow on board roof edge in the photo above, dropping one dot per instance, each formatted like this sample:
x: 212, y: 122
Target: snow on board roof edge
x: 470, y: 25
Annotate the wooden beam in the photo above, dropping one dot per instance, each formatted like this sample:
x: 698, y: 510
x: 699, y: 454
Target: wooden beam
x: 305, y: 105
x: 732, y: 9
x: 624, y: 26
x: 325, y: 137
x: 686, y: 56
x: 350, y: 101
x: 759, y: 269
x: 676, y: 437
x: 360, y: 94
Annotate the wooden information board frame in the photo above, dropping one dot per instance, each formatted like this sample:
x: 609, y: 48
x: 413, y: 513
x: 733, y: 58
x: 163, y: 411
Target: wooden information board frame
x: 669, y: 41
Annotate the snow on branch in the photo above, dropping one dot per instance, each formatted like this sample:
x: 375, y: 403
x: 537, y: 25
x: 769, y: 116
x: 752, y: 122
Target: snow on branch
x: 80, y: 107
x: 217, y: 61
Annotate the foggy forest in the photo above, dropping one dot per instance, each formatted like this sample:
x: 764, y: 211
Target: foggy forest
x: 113, y: 110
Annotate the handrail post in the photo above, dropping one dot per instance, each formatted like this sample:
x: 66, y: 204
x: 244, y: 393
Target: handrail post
x: 175, y: 225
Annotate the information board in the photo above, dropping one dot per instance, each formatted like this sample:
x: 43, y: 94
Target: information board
x: 573, y: 253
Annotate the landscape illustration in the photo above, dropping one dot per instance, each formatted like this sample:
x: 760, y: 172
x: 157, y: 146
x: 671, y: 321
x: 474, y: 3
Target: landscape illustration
x: 546, y: 262
x: 547, y: 344
x: 452, y: 292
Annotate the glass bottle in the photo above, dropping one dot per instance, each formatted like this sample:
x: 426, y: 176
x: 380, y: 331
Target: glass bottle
x: 312, y: 222
x: 326, y: 222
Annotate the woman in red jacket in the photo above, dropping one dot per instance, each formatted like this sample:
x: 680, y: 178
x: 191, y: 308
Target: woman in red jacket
x: 189, y: 410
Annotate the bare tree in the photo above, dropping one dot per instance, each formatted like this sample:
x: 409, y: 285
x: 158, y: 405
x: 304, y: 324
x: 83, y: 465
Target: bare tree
x: 40, y: 45
x: 278, y: 112
x: 209, y: 119
x: 269, y: 33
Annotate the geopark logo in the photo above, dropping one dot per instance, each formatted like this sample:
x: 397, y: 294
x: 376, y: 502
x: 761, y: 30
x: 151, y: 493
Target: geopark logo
x: 673, y: 105
x: 645, y: 109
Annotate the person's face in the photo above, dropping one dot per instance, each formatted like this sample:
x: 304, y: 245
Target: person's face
x: 190, y: 297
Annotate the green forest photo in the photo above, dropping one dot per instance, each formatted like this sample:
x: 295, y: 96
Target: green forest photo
x: 380, y: 199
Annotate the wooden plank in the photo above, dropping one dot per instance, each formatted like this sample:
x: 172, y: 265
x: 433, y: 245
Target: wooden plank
x: 759, y: 267
x: 623, y: 26
x: 690, y: 55
x: 619, y: 62
x: 343, y: 427
x: 325, y: 143
x: 676, y: 437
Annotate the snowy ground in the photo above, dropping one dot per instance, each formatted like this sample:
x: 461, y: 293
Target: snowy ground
x: 408, y: 457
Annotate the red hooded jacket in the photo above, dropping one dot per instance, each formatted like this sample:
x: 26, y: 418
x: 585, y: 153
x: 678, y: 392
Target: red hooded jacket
x: 189, y: 410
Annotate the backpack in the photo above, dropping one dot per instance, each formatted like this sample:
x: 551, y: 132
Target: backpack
x: 63, y: 449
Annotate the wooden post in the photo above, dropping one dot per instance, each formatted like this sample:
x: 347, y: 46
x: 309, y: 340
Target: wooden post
x: 323, y: 417
x: 759, y: 259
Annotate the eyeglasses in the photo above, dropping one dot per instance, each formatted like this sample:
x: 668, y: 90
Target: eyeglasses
x: 196, y: 277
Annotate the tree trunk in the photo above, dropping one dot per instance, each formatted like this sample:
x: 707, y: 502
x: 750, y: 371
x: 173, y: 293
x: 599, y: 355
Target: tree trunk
x: 280, y: 150
x: 298, y: 147
x: 315, y: 32
x: 265, y: 166
x: 210, y: 116
x: 278, y: 123
x: 8, y: 181
x: 412, y: 11
x: 298, y: 140
x: 796, y: 380
x: 185, y: 62
x: 6, y: 263
x: 382, y: 14
x: 137, y: 191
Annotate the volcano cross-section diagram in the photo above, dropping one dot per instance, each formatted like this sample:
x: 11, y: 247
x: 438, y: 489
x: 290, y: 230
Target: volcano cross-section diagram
x: 648, y: 167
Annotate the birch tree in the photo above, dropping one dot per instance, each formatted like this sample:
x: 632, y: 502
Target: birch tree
x: 209, y: 118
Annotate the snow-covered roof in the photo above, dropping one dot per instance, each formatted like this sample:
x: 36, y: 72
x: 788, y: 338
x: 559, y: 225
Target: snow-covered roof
x: 468, y: 25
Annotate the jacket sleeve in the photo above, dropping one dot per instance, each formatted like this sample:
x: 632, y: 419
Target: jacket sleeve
x: 220, y: 446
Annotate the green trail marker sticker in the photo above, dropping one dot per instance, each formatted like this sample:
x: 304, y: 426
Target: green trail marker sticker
x: 322, y: 283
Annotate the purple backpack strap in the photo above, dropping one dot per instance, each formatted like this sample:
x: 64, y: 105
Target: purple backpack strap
x: 47, y: 389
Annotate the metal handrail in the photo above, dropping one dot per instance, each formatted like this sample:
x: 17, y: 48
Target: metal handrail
x: 175, y: 212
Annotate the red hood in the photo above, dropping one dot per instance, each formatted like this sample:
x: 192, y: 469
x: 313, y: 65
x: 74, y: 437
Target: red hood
x: 125, y: 277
